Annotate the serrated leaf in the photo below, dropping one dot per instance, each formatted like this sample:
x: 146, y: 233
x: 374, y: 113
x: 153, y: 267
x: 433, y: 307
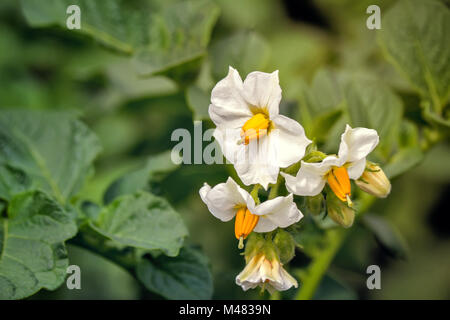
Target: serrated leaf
x: 415, y: 35
x: 158, y: 34
x: 386, y: 235
x: 32, y: 251
x: 51, y: 151
x: 144, y: 221
x: 154, y: 170
x: 184, y: 277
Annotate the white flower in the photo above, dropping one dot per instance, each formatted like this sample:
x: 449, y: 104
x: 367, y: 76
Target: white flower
x: 266, y: 273
x: 251, y: 132
x: 355, y: 145
x: 227, y: 200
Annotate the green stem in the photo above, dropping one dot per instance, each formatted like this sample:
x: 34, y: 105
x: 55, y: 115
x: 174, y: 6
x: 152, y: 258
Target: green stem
x: 124, y: 258
x: 274, y: 188
x: 320, y: 264
x: 254, y: 193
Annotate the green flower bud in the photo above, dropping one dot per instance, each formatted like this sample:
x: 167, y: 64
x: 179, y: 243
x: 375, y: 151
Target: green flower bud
x: 374, y: 181
x: 315, y: 204
x: 339, y: 211
x: 285, y: 244
x: 255, y: 242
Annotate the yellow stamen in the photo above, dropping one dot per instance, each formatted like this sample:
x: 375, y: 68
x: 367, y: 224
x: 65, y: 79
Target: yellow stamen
x: 349, y: 201
x: 241, y: 243
x: 244, y: 224
x: 256, y: 127
x: 339, y: 182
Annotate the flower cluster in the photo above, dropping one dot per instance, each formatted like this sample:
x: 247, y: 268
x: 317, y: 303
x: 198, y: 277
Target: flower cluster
x: 260, y: 142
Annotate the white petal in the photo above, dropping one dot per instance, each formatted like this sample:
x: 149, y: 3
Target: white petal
x: 288, y: 141
x: 263, y: 90
x: 287, y: 281
x: 222, y: 199
x: 310, y: 179
x: 356, y: 169
x: 279, y: 212
x: 227, y: 138
x: 228, y: 106
x: 254, y: 165
x: 357, y: 143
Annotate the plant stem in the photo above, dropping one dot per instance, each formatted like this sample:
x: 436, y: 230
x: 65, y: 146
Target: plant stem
x: 254, y: 193
x: 320, y: 264
x: 96, y: 245
x: 274, y: 188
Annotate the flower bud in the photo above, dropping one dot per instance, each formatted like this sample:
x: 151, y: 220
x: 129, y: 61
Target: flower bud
x: 374, y: 181
x: 285, y: 244
x: 339, y: 211
x: 315, y: 204
x: 255, y: 242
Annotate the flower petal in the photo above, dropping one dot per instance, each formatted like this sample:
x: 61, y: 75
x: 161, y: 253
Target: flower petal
x: 228, y: 106
x: 356, y: 169
x: 288, y: 141
x: 224, y: 197
x: 227, y: 138
x: 254, y: 165
x: 310, y: 178
x: 357, y: 143
x: 279, y: 212
x: 262, y: 90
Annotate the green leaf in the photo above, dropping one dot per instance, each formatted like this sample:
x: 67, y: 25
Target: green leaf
x: 184, y: 277
x: 156, y: 168
x: 158, y: 34
x: 144, y: 221
x: 415, y: 37
x: 402, y: 161
x: 198, y: 100
x: 372, y: 104
x: 245, y: 51
x: 321, y: 104
x: 32, y: 251
x: 178, y: 34
x: 386, y: 235
x: 52, y: 151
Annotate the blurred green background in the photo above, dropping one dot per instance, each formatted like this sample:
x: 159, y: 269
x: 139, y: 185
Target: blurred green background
x: 51, y: 68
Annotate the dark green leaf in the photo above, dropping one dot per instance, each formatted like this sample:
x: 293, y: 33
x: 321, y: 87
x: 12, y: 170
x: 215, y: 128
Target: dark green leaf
x: 154, y: 170
x: 186, y: 276
x: 158, y: 34
x: 52, y: 151
x: 32, y: 251
x: 142, y: 220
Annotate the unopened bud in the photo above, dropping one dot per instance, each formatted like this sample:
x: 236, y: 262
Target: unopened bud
x: 255, y: 242
x: 285, y: 244
x: 339, y: 211
x: 374, y: 181
x: 315, y: 204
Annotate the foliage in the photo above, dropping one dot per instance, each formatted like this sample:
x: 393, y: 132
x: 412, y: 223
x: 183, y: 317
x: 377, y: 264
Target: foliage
x: 109, y: 95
